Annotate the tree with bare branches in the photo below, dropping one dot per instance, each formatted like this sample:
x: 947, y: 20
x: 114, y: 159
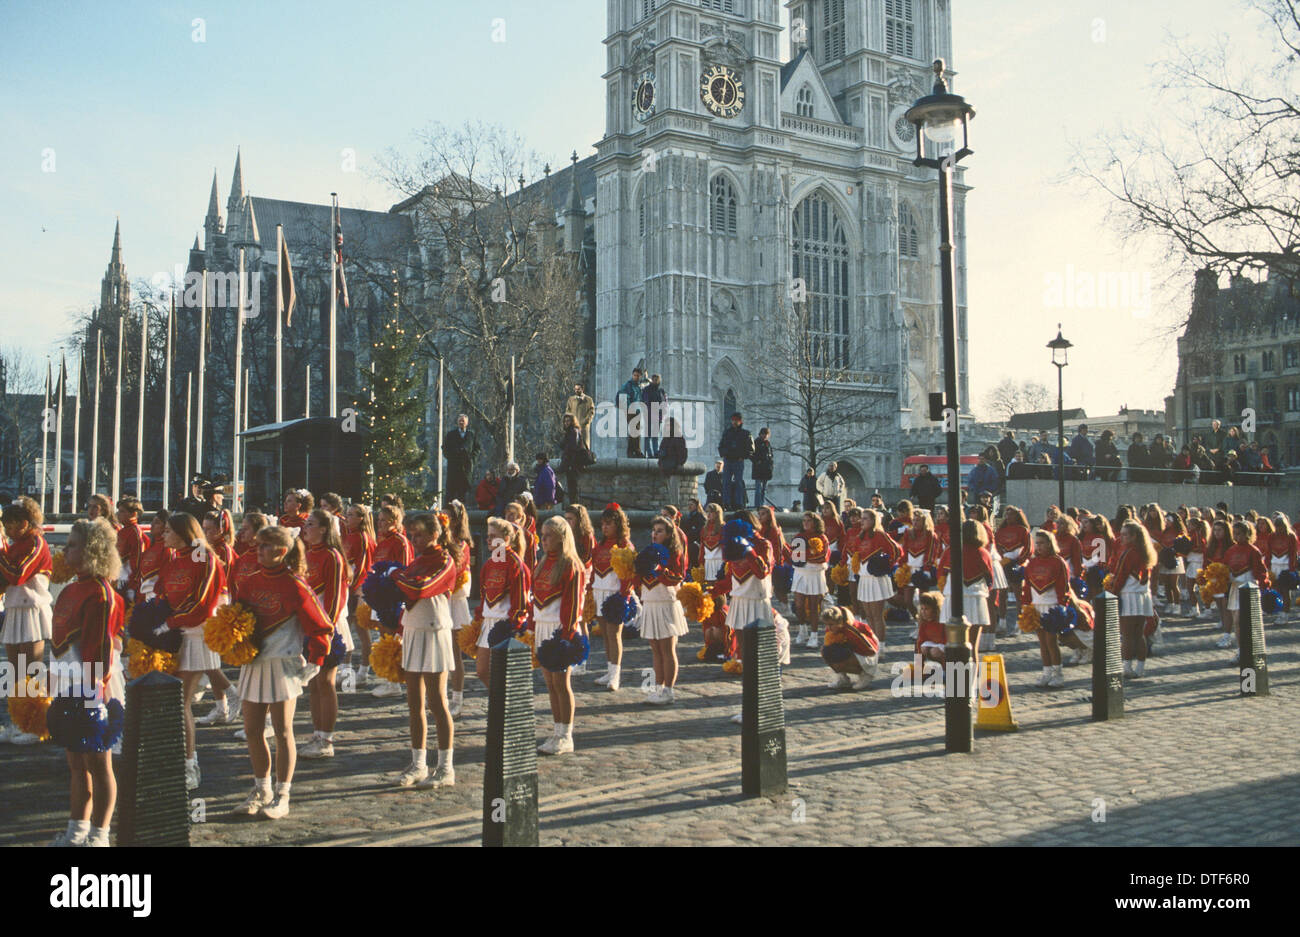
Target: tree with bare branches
x: 1008, y: 398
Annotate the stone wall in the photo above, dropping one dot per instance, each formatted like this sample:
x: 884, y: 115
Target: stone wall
x: 638, y: 485
x: 1104, y: 497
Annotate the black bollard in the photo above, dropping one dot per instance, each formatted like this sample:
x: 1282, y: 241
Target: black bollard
x: 1107, y: 662
x: 510, y: 763
x: 762, y: 733
x: 958, y: 711
x: 153, y: 807
x: 1252, y: 658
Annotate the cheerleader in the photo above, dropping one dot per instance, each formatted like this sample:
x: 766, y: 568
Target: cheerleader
x: 131, y: 542
x: 846, y: 593
x: 976, y: 578
x: 530, y: 520
x: 99, y: 506
x: 875, y: 590
x: 834, y: 530
x: 606, y: 582
x: 286, y: 614
x: 298, y: 503
x: 1096, y: 543
x: 662, y: 619
x: 392, y: 546
x: 505, y: 589
x: 856, y: 670
x: 359, y: 551
x: 514, y: 512
x: 1134, y: 563
x: 246, y: 539
x: 191, y: 583
x: 216, y: 529
x: 1172, y: 530
x: 921, y: 548
x: 584, y: 541
x: 998, y: 587
x: 711, y: 543
x: 428, y: 654
x: 771, y: 531
x: 558, y: 591
x: 153, y: 559
x: 1014, y: 545
x: 744, y: 572
x: 88, y: 618
x: 1050, y: 517
x: 1068, y: 546
x: 328, y: 576
x: 1046, y: 584
x: 1283, y: 547
x: 1198, y: 531
x: 810, y: 556
x: 1216, y: 551
x: 1245, y: 562
x: 332, y: 503
x: 25, y: 567
x: 462, y: 547
x: 931, y: 636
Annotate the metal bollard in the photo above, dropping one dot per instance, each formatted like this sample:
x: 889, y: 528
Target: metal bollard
x: 1107, y: 663
x: 762, y: 735
x: 1252, y: 658
x: 153, y: 807
x: 958, y: 711
x: 510, y: 763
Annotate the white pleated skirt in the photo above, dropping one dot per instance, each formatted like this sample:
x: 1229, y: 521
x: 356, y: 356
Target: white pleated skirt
x: 1135, y: 601
x: 742, y: 611
x: 1178, y: 569
x: 485, y: 631
x: 809, y: 579
x: 271, y: 679
x: 1234, y: 590
x: 459, y: 609
x: 975, y: 601
x: 875, y: 588
x: 195, y: 656
x: 428, y: 650
x: 1195, y: 563
x: 712, y: 563
x: 29, y: 612
x: 344, y: 630
x: 782, y: 638
x: 661, y: 614
x: 999, y: 574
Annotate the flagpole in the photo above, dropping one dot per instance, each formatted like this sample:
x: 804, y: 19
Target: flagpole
x: 94, y: 430
x: 76, y: 427
x: 45, y: 436
x: 58, y: 434
x: 139, y: 422
x: 117, y: 415
x: 334, y: 303
x: 441, y: 495
x: 510, y: 449
x: 189, y: 421
x: 203, y: 368
x: 279, y: 315
x: 167, y: 408
x: 243, y: 469
x: 239, y: 367
x: 306, y: 401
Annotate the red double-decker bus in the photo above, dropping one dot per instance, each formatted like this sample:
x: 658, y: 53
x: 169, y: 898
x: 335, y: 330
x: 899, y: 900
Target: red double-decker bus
x: 938, y: 467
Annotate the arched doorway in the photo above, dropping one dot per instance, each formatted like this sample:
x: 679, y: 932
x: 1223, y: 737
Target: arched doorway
x: 729, y: 406
x: 855, y: 486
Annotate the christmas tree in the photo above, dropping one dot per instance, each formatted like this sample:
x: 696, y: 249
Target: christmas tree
x: 392, y: 401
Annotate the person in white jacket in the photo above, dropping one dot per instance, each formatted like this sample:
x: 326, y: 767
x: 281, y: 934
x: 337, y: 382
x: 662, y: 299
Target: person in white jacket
x: 830, y: 485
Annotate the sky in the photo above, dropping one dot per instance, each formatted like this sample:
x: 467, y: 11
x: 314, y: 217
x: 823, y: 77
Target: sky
x: 124, y: 110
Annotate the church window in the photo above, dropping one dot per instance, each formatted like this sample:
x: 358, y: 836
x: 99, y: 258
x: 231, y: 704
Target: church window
x: 821, y: 260
x: 640, y: 220
x: 722, y: 6
x: 804, y: 103
x: 832, y: 45
x: 722, y: 206
x: 909, y: 244
x: 900, y: 28
x: 647, y: 8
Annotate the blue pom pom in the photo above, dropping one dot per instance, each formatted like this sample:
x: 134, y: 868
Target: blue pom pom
x: 633, y: 610
x: 1080, y: 587
x: 1182, y: 545
x: 1059, y: 619
x: 1094, y: 577
x: 652, y: 559
x: 1288, y: 579
x: 896, y: 614
x: 924, y: 579
x: 83, y: 728
x: 554, y: 652
x: 783, y: 577
x: 614, y: 608
x: 501, y: 630
x: 878, y: 564
x: 735, y: 548
x: 579, y: 649
x: 738, y: 529
x: 1270, y: 600
x: 1168, y: 558
x: 836, y: 558
x: 836, y: 653
x: 1015, y: 574
x: 382, y: 594
x: 146, y: 617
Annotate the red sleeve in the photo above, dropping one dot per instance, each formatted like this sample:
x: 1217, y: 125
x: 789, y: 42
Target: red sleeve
x: 1258, y: 567
x: 201, y: 597
x: 18, y: 564
x: 316, y: 629
x: 423, y: 580
x: 521, y: 584
x: 571, y: 600
x: 333, y: 591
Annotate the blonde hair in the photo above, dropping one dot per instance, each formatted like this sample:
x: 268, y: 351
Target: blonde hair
x: 1142, y: 541
x: 295, y: 560
x: 98, y: 539
x: 838, y: 616
x: 512, y: 534
x: 367, y: 521
x: 932, y: 600
x: 569, y: 562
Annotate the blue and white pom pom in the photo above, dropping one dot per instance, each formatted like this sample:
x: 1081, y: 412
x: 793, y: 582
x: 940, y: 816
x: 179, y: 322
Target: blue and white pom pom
x: 1059, y: 619
x: 652, y: 559
x: 382, y: 595
x: 83, y: 726
x: 148, y: 617
x: 878, y: 564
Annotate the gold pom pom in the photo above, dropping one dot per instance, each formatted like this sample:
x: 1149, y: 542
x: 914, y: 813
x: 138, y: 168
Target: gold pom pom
x: 62, y: 572
x: 1108, y: 584
x: 462, y: 579
x: 840, y: 575
x: 697, y: 574
x: 733, y: 667
x: 589, y: 606
x: 623, y: 561
x: 527, y: 637
x: 857, y: 563
x: 943, y: 581
x: 816, y: 545
x: 836, y: 636
x: 1029, y: 619
x: 469, y: 637
x: 386, y: 659
x: 365, y: 618
x: 702, y: 653
x: 229, y: 632
x: 695, y: 603
x: 903, y: 576
x: 142, y: 659
x: 27, y: 712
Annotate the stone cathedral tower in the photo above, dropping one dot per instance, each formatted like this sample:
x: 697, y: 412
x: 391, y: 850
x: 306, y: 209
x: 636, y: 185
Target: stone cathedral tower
x: 725, y: 169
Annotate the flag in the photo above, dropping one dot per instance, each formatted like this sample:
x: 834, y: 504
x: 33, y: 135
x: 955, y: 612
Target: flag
x: 284, y: 278
x: 338, y: 255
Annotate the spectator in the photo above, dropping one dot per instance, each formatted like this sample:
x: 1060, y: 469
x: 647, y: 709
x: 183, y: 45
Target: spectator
x: 736, y: 446
x: 1107, y: 457
x: 629, y: 396
x: 485, y: 495
x: 808, y: 488
x: 1182, y: 465
x: 654, y: 398
x: 512, y: 485
x: 672, y: 452
x: 1018, y: 468
x: 925, y: 488
x: 544, y: 484
x: 1037, y: 446
x: 763, y: 463
x: 1139, y: 459
x: 1007, y: 447
x: 831, y: 486
x: 713, y: 484
x: 460, y: 449
x: 1081, y: 450
x: 694, y: 521
x: 1214, y: 440
x: 1159, y: 457
x: 583, y: 410
x: 983, y: 477
x: 573, y: 457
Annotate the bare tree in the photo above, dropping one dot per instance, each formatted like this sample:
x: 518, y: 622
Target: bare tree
x: 20, y: 417
x: 1008, y: 398
x: 1225, y: 194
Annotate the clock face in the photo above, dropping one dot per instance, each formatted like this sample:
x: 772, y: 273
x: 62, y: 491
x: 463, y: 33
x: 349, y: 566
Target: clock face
x: 643, y: 96
x: 722, y: 91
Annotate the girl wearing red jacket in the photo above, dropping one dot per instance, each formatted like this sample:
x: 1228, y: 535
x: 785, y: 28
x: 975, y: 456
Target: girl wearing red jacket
x: 327, y: 574
x: 462, y: 549
x: 998, y: 587
x: 771, y: 531
x: 359, y: 551
x: 293, y: 637
x: 558, y: 591
x: 1132, y: 568
x: 505, y: 588
x: 605, y: 582
x: 1047, y: 584
x: 846, y: 593
x: 1216, y: 549
x: 428, y: 654
x: 810, y: 552
x: 154, y: 558
x: 854, y: 672
x: 1067, y: 544
x: 246, y: 539
x: 88, y: 617
x: 515, y: 514
x: 1283, y: 547
x: 874, y: 591
x: 391, y: 547
x: 192, y: 583
x: 1097, y: 544
x: 132, y: 541
x: 921, y: 547
x: 711, y: 543
x: 834, y: 528
x: 217, y: 528
x: 25, y: 567
x: 1173, y: 529
x: 976, y: 577
x: 662, y: 619
x: 1245, y: 562
x: 298, y: 503
x: 1198, y: 531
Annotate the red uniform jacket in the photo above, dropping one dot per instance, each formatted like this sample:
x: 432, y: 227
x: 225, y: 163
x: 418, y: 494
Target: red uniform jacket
x: 506, y: 576
x: 225, y: 553
x: 193, y: 589
x: 834, y: 531
x: 804, y: 541
x: 602, y: 564
x: 24, y: 558
x: 460, y: 552
x: 753, y: 565
x: 568, y: 591
x: 431, y: 573
x: 276, y: 595
x: 393, y: 547
x: 327, y: 576
x: 1071, y: 551
x: 1215, y: 549
x: 292, y: 520
x: 861, y: 638
x: 673, y: 573
x: 923, y: 544
x: 1245, y: 557
x: 1088, y: 545
x: 1283, y: 545
x: 131, y: 542
x: 1043, y: 573
x: 152, y: 561
x: 90, y: 614
x: 878, y: 542
x: 360, y: 552
x: 976, y: 564
x: 244, y: 567
x: 776, y: 537
x: 1129, y: 564
x: 1010, y: 537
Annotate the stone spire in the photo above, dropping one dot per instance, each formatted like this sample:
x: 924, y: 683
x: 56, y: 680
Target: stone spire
x: 575, y: 215
x: 115, y: 288
x: 236, y: 199
x: 248, y: 234
x: 212, y: 222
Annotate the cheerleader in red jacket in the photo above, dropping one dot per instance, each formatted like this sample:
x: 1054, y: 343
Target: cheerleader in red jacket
x: 100, y: 506
x: 1283, y: 547
x: 462, y: 547
x: 1015, y: 545
x: 293, y: 637
x: 218, y: 528
x: 25, y: 567
x: 88, y: 618
x: 606, y: 582
x: 327, y: 574
x: 246, y: 540
x: 901, y: 521
x: 1067, y: 544
x: 846, y: 594
x: 505, y: 588
x: 1047, y: 584
x: 392, y: 546
x: 662, y: 619
x: 977, y: 576
x: 810, y: 554
x: 132, y: 541
x: 1173, y: 529
x: 998, y: 587
x: 874, y: 591
x: 834, y: 529
x: 1245, y: 562
x: 154, y: 558
x: 771, y: 531
x: 1097, y: 543
x: 921, y: 548
x: 514, y: 512
x: 855, y: 671
x: 192, y: 583
x: 298, y: 503
x: 359, y: 551
x: 558, y: 591
x: 1133, y: 565
x: 1198, y: 531
x: 711, y: 543
x: 1216, y: 551
x: 742, y: 582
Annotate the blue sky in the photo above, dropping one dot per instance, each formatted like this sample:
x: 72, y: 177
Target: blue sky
x: 137, y: 114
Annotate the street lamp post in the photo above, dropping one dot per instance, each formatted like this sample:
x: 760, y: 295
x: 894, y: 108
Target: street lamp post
x: 944, y: 118
x: 1061, y: 358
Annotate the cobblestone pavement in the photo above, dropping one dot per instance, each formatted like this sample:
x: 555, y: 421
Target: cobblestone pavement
x: 1191, y: 764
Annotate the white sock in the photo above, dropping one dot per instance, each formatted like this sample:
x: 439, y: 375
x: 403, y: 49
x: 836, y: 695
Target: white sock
x: 263, y: 784
x: 327, y: 736
x: 564, y: 730
x: 282, y: 789
x: 444, y: 758
x: 418, y: 758
x: 78, y: 829
x: 192, y: 760
x: 98, y: 834
x: 457, y: 696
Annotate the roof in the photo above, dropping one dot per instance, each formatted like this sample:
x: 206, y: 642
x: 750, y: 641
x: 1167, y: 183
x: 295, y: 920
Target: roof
x: 373, y: 235
x: 1043, y: 419
x: 788, y: 69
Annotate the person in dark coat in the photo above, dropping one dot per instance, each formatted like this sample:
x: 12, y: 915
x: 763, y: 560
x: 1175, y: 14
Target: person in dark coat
x: 925, y: 488
x: 1007, y: 447
x: 655, y: 398
x: 735, y: 447
x: 572, y: 457
x: 672, y: 448
x: 1108, y: 461
x: 1139, y: 459
x: 812, y: 499
x: 513, y: 484
x: 460, y: 449
x: 763, y: 463
x: 199, y: 501
x: 713, y: 484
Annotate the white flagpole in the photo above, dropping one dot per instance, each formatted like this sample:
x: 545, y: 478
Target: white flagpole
x: 203, y: 368
x: 94, y: 430
x: 239, y: 367
x: 139, y: 423
x: 45, y: 436
x: 333, y: 384
x: 510, y: 448
x: 58, y: 434
x: 76, y: 429
x: 117, y: 416
x: 167, y: 409
x: 306, y: 401
x: 442, y: 495
x: 279, y: 317
x: 243, y: 469
x: 189, y: 421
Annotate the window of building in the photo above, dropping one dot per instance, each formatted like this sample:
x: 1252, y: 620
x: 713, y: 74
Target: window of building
x: 1292, y: 398
x: 804, y: 104
x: 1239, y: 399
x: 722, y: 206
x: 1270, y: 402
x: 1292, y: 356
x: 900, y: 28
x: 722, y: 6
x: 1218, y: 404
x: 647, y: 7
x: 640, y: 219
x: 832, y: 44
x: 1238, y: 364
x: 821, y: 260
x: 909, y: 244
x: 1268, y: 361
x: 1200, y: 406
x: 1292, y: 447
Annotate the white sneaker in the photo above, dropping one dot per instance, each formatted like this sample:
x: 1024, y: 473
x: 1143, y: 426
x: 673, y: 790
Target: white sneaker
x: 386, y: 688
x: 63, y: 839
x: 441, y: 777
x: 253, y: 803
x: 203, y: 685
x: 1225, y: 640
x: 861, y: 681
x: 6, y: 733
x: 837, y: 680
x: 915, y: 634
x: 454, y: 706
x: 97, y: 842
x: 192, y: 775
x: 1139, y: 668
x: 548, y: 747
x: 802, y: 636
x: 739, y: 718
x: 563, y: 745
x: 1128, y: 668
x: 278, y: 808
x: 814, y: 642
x: 579, y: 669
x: 615, y: 679
x: 412, y: 776
x: 1046, y: 678
x: 318, y: 747
x: 1057, y: 679
x: 218, y: 714
x: 24, y: 738
x: 346, y: 676
x: 656, y: 697
x: 604, y: 679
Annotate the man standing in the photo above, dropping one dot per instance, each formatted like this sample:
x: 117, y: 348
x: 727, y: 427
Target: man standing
x: 925, y: 488
x: 763, y: 464
x: 1138, y: 459
x: 654, y: 398
x: 1214, y: 440
x: 198, y: 503
x: 629, y: 400
x: 460, y: 449
x: 736, y: 446
x: 1007, y: 447
x: 1081, y: 450
x: 713, y: 484
x: 983, y: 477
x: 583, y: 410
x: 831, y: 486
